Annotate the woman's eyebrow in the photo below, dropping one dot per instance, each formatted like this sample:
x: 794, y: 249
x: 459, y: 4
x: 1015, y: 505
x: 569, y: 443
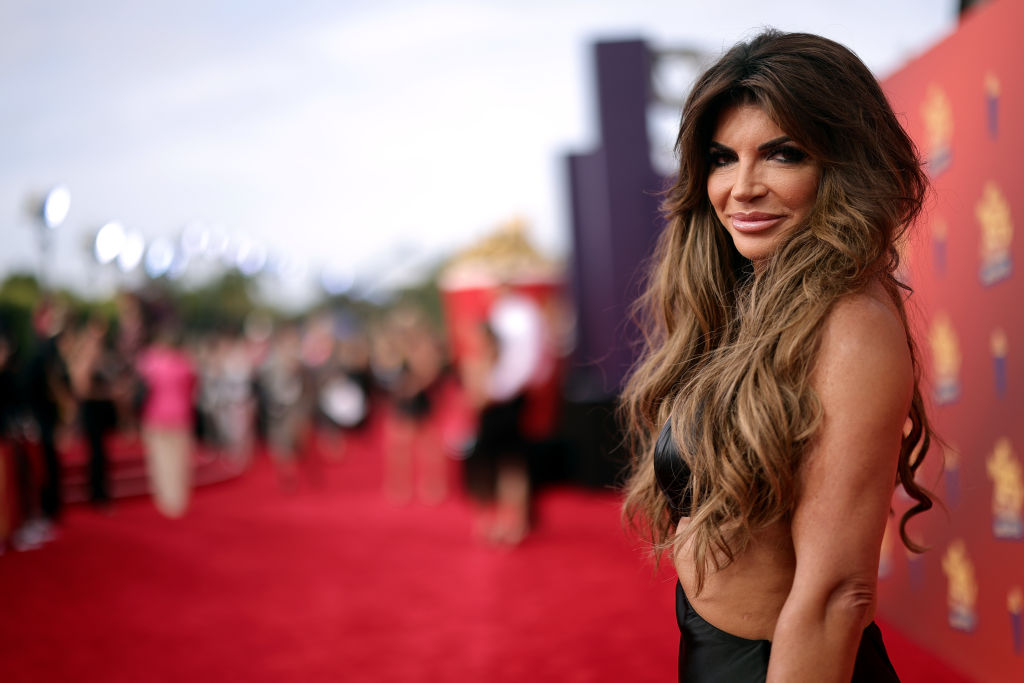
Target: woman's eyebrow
x: 774, y: 143
x: 760, y: 148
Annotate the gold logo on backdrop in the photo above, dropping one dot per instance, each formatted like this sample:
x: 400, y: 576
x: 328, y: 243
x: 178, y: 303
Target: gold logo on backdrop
x: 999, y: 343
x: 992, y: 91
x: 993, y: 214
x: 950, y: 459
x: 946, y: 358
x: 1004, y: 469
x: 962, y: 593
x: 940, y: 234
x: 1014, y: 603
x: 991, y: 84
x: 1000, y: 346
x: 937, y: 113
x: 951, y: 474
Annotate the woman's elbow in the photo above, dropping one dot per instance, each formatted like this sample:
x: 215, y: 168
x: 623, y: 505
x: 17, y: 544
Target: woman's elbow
x: 854, y: 599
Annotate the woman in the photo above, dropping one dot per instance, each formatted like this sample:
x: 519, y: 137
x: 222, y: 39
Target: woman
x: 777, y: 400
x: 91, y: 372
x: 413, y: 437
x: 167, y: 419
x: 499, y: 382
x: 289, y: 398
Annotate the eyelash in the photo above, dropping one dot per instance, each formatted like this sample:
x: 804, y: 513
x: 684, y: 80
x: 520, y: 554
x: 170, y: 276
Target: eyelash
x: 788, y: 155
x: 719, y: 159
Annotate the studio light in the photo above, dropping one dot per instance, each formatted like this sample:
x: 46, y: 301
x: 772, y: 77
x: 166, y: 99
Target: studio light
x: 159, y: 257
x: 109, y: 242
x: 131, y: 252
x: 56, y: 206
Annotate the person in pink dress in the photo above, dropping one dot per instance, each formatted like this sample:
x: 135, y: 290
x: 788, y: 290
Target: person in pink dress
x: 166, y: 420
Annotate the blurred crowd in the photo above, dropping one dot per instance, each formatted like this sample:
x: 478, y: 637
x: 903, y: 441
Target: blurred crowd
x: 84, y: 389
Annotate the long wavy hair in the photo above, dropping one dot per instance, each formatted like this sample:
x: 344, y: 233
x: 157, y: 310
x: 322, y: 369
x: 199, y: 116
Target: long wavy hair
x: 727, y: 353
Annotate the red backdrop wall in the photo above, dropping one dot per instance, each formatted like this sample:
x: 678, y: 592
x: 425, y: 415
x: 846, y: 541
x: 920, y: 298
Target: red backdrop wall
x: 963, y: 102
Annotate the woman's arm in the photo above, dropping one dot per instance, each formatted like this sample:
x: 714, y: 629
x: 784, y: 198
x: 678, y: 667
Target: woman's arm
x: 864, y: 378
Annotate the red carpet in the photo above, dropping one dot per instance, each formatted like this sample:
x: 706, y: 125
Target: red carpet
x: 335, y: 584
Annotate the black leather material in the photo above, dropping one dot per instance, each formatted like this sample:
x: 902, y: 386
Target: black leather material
x: 709, y: 655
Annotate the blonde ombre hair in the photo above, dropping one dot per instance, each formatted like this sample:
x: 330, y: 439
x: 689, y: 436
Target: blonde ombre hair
x: 727, y: 355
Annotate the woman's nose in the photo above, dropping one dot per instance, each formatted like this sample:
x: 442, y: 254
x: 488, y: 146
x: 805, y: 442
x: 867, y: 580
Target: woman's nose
x: 749, y: 183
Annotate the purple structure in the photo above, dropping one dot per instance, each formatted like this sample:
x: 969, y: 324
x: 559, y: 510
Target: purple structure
x: 615, y: 222
x: 614, y: 200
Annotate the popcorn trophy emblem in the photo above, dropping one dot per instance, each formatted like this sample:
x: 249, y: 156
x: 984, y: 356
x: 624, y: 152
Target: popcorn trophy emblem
x: 962, y: 587
x: 937, y: 113
x: 992, y: 103
x: 993, y: 214
x: 1007, y: 476
x: 1014, y: 602
x: 1000, y: 346
x: 946, y: 358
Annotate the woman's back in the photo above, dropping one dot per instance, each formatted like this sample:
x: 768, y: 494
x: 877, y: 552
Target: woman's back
x: 745, y: 597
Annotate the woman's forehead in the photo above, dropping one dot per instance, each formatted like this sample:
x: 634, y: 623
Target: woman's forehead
x: 747, y: 120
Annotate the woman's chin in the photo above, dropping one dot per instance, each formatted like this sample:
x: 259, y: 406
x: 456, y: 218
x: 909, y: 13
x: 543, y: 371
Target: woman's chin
x: 756, y: 247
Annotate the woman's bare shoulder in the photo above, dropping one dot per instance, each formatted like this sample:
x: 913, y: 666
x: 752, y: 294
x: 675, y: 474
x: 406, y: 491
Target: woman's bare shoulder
x: 864, y: 342
x: 868, y: 316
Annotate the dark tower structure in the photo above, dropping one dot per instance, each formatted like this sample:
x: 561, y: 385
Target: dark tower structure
x: 614, y: 204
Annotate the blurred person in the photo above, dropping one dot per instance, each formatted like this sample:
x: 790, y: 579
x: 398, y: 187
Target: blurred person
x: 288, y: 394
x: 209, y: 402
x: 414, y: 440
x: 131, y: 324
x: 386, y: 370
x: 237, y: 409
x: 50, y: 399
x: 497, y: 470
x: 201, y: 349
x: 345, y: 393
x: 777, y: 402
x: 316, y: 353
x: 22, y: 526
x: 386, y: 361
x: 167, y: 419
x: 92, y: 370
x: 10, y: 495
x: 226, y: 402
x: 128, y: 339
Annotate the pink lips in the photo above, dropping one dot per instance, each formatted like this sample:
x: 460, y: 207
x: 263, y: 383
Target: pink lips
x: 754, y: 221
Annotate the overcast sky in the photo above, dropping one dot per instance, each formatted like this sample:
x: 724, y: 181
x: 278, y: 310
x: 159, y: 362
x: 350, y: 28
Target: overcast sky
x: 359, y: 137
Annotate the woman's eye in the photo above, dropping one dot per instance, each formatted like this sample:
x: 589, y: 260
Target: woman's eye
x: 718, y: 159
x: 788, y: 155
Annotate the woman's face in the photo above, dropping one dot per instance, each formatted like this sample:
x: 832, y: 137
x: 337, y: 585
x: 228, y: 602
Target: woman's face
x: 761, y: 183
